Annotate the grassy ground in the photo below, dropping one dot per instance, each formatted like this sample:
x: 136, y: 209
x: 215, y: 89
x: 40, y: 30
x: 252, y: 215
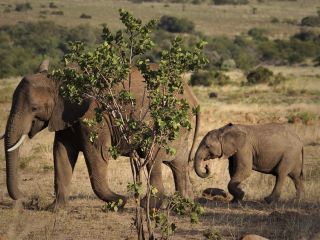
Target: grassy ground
x: 84, y: 219
x: 208, y: 18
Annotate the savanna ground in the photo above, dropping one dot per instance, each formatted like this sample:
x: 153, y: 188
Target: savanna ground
x: 296, y: 100
x: 84, y: 219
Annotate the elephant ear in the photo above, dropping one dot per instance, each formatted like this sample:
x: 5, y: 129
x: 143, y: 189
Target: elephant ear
x: 65, y: 114
x: 232, y: 141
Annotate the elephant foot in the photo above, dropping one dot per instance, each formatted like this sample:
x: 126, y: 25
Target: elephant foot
x: 56, y: 206
x: 236, y: 200
x: 155, y: 202
x: 270, y: 199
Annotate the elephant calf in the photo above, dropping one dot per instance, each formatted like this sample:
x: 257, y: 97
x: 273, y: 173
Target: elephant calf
x: 269, y: 148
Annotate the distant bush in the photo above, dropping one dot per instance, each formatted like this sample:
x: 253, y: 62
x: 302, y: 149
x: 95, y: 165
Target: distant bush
x: 22, y: 7
x: 259, y: 75
x: 201, y: 78
x: 85, y: 16
x: 52, y: 5
x: 277, y: 79
x: 228, y: 2
x: 274, y: 20
x: 59, y: 13
x: 207, y: 78
x: 258, y: 34
x: 24, y: 45
x: 304, y: 117
x: 311, y: 21
x: 176, y: 25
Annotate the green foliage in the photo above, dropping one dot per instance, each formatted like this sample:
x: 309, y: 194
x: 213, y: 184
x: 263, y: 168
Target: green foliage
x: 59, y: 13
x: 85, y: 16
x: 52, y: 5
x: 176, y: 25
x: 22, y: 7
x: 24, y: 45
x: 311, y: 21
x: 213, y: 235
x: 112, y: 206
x: 204, y: 78
x: 136, y: 189
x: 230, y: 2
x: 259, y: 75
x: 304, y: 117
x: 207, y: 78
x: 180, y: 206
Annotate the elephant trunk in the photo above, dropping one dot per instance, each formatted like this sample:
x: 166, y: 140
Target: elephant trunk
x: 199, y: 159
x: 12, y: 136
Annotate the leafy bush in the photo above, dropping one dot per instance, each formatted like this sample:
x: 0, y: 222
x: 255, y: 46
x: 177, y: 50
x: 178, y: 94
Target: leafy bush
x: 304, y: 117
x: 85, y: 16
x: 52, y: 5
x: 259, y: 75
x: 258, y: 34
x: 228, y: 2
x: 176, y: 25
x: 201, y: 78
x: 22, y: 7
x: 59, y: 13
x: 277, y: 79
x: 311, y: 21
x: 207, y: 78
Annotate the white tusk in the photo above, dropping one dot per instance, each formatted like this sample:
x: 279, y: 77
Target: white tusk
x: 2, y: 136
x: 18, y: 143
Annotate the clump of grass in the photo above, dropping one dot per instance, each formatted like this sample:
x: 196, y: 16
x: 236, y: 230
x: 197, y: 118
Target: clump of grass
x: 24, y: 162
x: 59, y: 13
x: 212, y: 234
x: 304, y: 117
x: 85, y: 16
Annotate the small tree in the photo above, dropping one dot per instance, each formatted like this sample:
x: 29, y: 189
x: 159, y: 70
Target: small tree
x: 105, y: 75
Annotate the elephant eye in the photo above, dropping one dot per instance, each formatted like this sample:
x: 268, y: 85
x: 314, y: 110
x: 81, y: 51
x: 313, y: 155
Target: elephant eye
x: 34, y: 108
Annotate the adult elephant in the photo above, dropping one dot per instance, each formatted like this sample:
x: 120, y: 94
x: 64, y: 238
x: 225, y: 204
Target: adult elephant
x: 37, y: 104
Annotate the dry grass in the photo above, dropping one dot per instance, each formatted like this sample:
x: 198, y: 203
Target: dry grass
x: 84, y: 219
x: 209, y: 19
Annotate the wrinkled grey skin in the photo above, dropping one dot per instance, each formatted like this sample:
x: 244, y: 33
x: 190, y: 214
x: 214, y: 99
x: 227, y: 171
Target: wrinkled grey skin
x: 37, y: 104
x: 269, y: 148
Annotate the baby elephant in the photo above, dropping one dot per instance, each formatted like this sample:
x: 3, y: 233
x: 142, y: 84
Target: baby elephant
x: 270, y: 148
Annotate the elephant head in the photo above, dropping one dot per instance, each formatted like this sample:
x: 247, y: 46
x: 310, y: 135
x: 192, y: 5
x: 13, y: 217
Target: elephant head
x: 36, y: 104
x: 225, y: 141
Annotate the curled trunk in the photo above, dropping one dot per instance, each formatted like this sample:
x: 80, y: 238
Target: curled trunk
x: 202, y: 172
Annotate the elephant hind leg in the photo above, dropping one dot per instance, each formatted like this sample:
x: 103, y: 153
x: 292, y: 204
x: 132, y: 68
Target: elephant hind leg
x: 298, y: 183
x: 181, y: 176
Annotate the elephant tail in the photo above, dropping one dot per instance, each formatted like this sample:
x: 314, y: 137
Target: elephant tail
x: 302, y: 155
x: 196, y: 131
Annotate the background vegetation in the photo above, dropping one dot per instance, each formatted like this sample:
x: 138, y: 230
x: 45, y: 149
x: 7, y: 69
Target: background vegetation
x: 241, y: 38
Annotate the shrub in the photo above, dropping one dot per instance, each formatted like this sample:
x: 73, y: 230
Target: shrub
x: 311, y: 21
x: 176, y: 25
x: 52, y: 5
x: 203, y: 78
x: 22, y: 7
x: 277, y: 79
x: 228, y: 64
x: 221, y: 79
x: 85, y: 16
x: 259, y: 75
x: 207, y: 78
x: 275, y: 20
x: 258, y: 34
x: 304, y: 117
x: 232, y: 2
x: 59, y: 13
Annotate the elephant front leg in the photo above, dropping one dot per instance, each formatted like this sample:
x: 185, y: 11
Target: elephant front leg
x: 155, y: 172
x: 238, y: 171
x: 65, y: 156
